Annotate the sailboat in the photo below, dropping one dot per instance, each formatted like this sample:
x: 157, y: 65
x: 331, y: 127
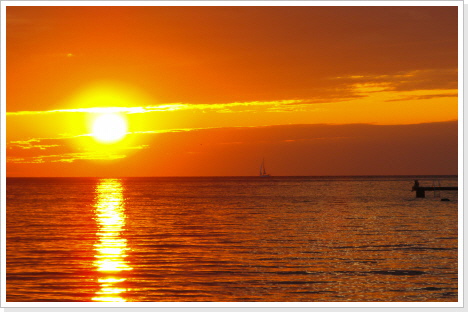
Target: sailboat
x: 262, y: 170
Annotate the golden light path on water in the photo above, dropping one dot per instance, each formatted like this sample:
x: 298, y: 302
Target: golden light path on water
x: 110, y: 250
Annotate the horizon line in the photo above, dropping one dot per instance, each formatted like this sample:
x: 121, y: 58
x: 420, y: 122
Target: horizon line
x: 240, y: 176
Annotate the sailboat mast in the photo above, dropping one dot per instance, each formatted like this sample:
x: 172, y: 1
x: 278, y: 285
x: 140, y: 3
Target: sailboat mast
x: 263, y: 172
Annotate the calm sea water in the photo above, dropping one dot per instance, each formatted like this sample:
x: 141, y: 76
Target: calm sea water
x: 279, y: 239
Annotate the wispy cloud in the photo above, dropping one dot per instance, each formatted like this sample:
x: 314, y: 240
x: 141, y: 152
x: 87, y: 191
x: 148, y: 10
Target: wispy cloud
x: 30, y: 144
x: 349, y: 87
x: 423, y: 97
x: 429, y: 79
x: 96, y: 110
x: 140, y: 147
x: 42, y: 150
x: 220, y: 107
x: 64, y: 158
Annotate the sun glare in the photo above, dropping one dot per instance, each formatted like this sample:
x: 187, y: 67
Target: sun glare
x: 109, y: 128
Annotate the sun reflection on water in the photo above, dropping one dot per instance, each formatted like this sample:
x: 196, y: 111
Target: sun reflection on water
x: 110, y: 250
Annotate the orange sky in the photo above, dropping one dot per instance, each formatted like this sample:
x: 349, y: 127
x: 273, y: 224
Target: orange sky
x: 213, y: 90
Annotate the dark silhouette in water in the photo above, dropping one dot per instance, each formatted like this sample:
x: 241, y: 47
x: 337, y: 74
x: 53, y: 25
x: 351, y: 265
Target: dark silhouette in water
x: 421, y: 190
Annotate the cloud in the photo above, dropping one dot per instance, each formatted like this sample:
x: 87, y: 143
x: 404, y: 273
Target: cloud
x: 64, y: 158
x: 277, y: 60
x: 30, y: 144
x: 429, y: 79
x: 339, y: 89
x: 317, y: 149
x: 423, y: 97
x: 62, y: 149
x: 95, y: 110
x: 308, y: 149
x: 245, y: 107
x: 221, y: 107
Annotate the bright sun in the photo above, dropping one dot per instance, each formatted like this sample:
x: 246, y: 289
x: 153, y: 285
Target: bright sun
x: 109, y: 128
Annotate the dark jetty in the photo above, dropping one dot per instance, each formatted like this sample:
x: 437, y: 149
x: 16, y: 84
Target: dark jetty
x: 421, y: 190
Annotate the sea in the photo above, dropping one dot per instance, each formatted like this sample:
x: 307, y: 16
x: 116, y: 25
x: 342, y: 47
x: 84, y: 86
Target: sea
x: 231, y: 239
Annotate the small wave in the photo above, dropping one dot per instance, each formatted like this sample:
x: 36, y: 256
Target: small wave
x: 398, y: 272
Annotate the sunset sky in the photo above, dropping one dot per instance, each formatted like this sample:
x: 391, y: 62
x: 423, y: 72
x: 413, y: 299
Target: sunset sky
x: 211, y: 91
